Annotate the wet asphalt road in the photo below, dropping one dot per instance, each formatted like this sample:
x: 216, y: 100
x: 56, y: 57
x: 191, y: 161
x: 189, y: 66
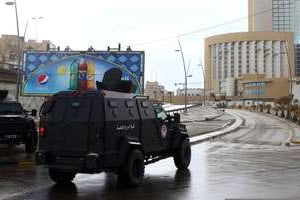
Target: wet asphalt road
x: 253, y: 162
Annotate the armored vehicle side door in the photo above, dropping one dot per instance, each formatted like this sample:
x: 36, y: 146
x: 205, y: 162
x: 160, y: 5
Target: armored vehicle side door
x: 122, y: 126
x: 162, y: 124
x: 150, y: 135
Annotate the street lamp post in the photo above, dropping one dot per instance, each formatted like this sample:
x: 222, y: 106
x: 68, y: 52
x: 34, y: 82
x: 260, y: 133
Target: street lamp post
x: 155, y: 95
x: 185, y: 76
x: 290, y: 95
x: 27, y: 22
x: 163, y: 96
x: 36, y: 26
x: 203, y: 74
x: 11, y: 3
x: 170, y: 93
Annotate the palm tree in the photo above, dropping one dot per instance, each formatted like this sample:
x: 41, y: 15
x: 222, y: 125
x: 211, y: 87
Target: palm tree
x: 293, y: 109
x: 268, y: 107
x: 276, y: 110
x: 282, y: 104
x: 260, y: 107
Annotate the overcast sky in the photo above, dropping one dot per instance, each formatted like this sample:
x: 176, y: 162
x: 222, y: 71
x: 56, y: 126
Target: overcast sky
x: 149, y: 25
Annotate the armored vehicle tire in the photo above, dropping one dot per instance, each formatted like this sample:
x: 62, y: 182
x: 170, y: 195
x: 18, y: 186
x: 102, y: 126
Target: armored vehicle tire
x: 182, y: 156
x: 31, y: 143
x: 132, y: 173
x: 60, y: 177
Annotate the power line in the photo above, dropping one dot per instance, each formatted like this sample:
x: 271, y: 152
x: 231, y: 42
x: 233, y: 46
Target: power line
x: 209, y: 28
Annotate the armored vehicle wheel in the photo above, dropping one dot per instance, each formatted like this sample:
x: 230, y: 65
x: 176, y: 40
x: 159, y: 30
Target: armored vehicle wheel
x: 31, y: 143
x: 132, y: 173
x: 60, y: 177
x: 182, y: 156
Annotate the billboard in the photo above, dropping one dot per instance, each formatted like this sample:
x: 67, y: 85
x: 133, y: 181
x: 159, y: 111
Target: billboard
x: 46, y: 73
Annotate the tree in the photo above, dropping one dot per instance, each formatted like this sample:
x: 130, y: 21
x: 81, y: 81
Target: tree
x: 8, y: 51
x: 268, y: 107
x: 253, y: 107
x: 296, y: 101
x: 260, y: 107
x: 212, y: 96
x: 282, y: 101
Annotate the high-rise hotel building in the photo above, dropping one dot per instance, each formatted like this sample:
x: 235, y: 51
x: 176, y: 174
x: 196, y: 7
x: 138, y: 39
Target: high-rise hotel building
x: 257, y: 64
x: 277, y: 16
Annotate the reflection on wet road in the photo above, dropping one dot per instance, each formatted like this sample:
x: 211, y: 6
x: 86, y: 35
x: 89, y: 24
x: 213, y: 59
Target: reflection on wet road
x: 251, y: 163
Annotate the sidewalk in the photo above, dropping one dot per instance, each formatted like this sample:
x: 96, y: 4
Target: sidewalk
x: 295, y: 134
x: 226, y: 129
x: 202, y: 113
x: 204, y: 123
x: 294, y: 131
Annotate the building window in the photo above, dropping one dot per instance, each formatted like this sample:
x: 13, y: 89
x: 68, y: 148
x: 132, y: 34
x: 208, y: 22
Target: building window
x: 281, y: 10
x: 254, y: 92
x: 254, y: 84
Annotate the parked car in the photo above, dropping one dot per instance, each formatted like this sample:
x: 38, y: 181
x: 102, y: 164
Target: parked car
x: 16, y: 124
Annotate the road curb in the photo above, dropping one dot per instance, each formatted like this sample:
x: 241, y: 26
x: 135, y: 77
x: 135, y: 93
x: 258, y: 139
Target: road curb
x: 238, y: 122
x: 213, y: 117
x: 216, y: 129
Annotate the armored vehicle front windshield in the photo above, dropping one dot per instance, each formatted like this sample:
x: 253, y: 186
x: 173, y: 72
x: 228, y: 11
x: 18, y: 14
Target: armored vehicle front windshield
x: 10, y: 108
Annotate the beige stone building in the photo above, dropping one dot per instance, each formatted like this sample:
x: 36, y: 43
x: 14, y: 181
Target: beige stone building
x: 154, y: 90
x: 249, y: 65
x: 8, y: 51
x: 262, y: 63
x: 9, y: 63
x: 190, y: 92
x: 157, y: 92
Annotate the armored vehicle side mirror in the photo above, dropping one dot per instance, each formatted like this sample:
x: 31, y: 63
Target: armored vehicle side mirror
x: 33, y: 112
x: 169, y: 117
x: 176, y: 117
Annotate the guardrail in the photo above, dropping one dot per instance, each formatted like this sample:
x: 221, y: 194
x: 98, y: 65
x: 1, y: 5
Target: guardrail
x: 178, y: 110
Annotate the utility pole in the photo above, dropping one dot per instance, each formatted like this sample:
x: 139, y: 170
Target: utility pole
x: 203, y: 74
x: 14, y: 3
x: 290, y: 95
x: 185, y: 76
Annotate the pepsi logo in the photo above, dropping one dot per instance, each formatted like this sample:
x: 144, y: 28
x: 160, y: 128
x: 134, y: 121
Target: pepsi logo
x: 82, y: 75
x: 42, y: 79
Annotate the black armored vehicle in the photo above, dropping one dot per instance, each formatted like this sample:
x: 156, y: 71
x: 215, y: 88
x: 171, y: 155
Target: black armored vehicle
x: 96, y: 131
x: 16, y: 126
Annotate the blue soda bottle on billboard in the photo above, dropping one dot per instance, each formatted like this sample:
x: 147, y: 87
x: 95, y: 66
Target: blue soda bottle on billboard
x: 73, y: 75
x: 82, y: 75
